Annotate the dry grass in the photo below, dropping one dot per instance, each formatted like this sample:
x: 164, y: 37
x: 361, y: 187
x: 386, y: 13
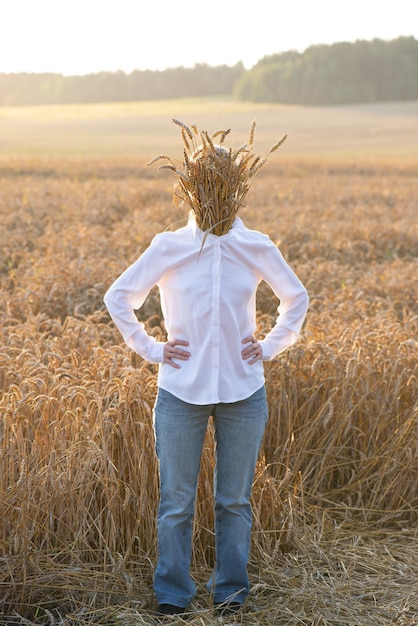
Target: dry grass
x: 335, y: 497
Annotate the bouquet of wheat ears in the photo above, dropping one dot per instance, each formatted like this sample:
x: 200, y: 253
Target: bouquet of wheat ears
x: 213, y: 179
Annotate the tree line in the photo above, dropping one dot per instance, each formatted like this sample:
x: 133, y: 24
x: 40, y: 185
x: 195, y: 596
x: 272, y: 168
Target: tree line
x: 341, y: 73
x: 180, y: 82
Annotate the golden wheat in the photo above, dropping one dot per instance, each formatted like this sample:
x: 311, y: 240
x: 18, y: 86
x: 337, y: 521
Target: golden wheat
x: 335, y: 497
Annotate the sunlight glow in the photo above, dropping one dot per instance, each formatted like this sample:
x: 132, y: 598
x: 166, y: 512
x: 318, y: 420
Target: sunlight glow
x: 85, y: 36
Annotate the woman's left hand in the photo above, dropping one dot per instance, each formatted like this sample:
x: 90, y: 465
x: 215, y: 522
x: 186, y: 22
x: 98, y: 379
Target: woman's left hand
x: 253, y: 352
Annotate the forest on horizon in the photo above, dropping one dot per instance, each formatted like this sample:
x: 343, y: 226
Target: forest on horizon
x: 340, y: 73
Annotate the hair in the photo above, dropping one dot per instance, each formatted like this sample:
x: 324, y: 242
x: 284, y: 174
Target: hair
x: 214, y: 180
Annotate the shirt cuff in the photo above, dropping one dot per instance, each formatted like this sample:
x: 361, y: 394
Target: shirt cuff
x: 273, y: 346
x: 156, y: 352
x: 267, y: 351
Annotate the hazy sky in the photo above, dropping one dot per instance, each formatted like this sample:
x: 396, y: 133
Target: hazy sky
x: 83, y: 36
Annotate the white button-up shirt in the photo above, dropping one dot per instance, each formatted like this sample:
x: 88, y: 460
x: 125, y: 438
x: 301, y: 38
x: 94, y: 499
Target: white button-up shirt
x: 208, y: 298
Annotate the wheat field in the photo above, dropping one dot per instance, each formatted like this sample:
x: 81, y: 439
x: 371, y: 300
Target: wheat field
x: 335, y: 496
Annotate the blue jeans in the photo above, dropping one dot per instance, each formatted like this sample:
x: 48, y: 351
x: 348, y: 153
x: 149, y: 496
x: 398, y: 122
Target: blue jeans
x: 179, y: 433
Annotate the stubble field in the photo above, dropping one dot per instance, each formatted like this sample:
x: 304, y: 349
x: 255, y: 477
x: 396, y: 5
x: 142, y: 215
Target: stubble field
x: 335, y: 496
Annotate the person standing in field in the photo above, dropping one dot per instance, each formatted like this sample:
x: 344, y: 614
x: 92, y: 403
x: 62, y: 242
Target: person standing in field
x: 212, y: 362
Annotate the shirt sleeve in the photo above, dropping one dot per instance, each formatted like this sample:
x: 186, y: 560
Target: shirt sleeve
x: 293, y: 298
x: 128, y: 293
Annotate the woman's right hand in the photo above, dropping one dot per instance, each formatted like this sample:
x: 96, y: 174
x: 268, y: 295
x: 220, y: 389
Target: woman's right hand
x: 171, y: 351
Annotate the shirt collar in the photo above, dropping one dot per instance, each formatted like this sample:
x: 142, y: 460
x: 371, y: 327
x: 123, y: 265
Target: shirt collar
x: 237, y: 224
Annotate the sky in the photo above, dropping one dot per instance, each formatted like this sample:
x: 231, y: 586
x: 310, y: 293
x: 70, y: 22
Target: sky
x: 88, y: 36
